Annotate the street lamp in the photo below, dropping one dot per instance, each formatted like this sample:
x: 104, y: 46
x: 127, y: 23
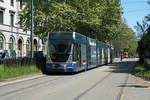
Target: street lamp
x: 32, y: 27
x: 32, y: 30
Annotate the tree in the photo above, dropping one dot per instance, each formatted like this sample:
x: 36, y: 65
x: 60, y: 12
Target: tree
x: 143, y: 31
x: 142, y: 28
x: 99, y: 19
x: 126, y: 41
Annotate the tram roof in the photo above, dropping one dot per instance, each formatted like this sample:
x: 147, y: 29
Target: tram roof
x: 68, y: 35
x: 77, y: 37
x: 60, y: 35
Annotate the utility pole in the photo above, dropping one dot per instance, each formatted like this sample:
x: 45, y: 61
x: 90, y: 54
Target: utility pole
x: 32, y: 30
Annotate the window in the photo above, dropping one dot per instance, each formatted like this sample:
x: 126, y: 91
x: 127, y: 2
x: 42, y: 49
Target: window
x: 11, y: 43
x: 75, y: 53
x: 12, y: 19
x: 59, y: 49
x: 20, y: 19
x: 28, y: 48
x: 35, y: 45
x: 20, y: 47
x: 1, y: 43
x: 1, y: 17
x: 12, y: 2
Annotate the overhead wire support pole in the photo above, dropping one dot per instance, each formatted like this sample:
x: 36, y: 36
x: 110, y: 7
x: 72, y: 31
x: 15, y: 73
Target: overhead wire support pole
x: 32, y: 30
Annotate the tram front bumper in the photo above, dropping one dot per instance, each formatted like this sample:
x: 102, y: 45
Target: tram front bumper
x: 61, y: 67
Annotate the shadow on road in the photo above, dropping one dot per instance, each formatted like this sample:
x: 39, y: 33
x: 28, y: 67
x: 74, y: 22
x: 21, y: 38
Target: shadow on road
x: 134, y: 86
x: 122, y: 67
x: 116, y: 67
x: 60, y: 74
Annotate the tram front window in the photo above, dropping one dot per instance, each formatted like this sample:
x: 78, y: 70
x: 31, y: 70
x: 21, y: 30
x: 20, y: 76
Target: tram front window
x: 59, y: 50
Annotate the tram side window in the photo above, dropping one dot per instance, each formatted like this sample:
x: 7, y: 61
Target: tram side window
x: 101, y: 54
x: 89, y: 55
x: 104, y: 53
x: 75, y: 53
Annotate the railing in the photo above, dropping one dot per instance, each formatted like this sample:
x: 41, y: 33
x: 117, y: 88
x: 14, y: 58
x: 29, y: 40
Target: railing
x: 39, y: 62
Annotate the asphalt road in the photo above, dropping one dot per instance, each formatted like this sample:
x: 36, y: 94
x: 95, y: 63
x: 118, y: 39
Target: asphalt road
x: 102, y: 83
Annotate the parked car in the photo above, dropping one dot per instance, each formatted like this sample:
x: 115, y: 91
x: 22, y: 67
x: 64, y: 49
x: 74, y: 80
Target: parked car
x: 3, y: 55
x: 7, y: 54
x: 12, y: 53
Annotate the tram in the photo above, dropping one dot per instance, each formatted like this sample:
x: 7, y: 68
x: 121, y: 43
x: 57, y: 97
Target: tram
x: 73, y: 52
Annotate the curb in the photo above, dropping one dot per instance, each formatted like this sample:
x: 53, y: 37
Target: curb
x: 20, y: 79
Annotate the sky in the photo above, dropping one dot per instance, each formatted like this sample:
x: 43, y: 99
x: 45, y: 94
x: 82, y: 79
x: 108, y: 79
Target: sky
x: 135, y: 10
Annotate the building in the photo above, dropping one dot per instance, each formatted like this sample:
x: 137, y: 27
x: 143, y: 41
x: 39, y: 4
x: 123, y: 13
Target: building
x: 12, y: 36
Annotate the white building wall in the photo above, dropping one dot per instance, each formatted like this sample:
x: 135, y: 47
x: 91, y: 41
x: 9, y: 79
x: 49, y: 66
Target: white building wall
x: 7, y: 31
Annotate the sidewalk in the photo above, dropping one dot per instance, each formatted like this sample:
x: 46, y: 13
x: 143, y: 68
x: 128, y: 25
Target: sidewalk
x: 116, y: 59
x: 20, y: 79
x: 136, y: 89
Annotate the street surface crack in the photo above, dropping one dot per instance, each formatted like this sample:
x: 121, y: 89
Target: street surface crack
x: 86, y: 91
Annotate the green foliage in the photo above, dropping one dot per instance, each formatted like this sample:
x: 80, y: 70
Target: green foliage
x: 141, y: 28
x: 144, y: 47
x: 141, y: 71
x: 143, y: 31
x: 99, y: 19
x: 126, y: 41
x: 10, y: 72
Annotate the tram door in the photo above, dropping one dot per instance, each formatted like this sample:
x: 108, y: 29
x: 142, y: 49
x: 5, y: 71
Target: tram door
x: 83, y: 56
x: 104, y: 55
x: 108, y: 55
x: 101, y: 54
x: 89, y: 56
x: 79, y: 55
x: 98, y: 56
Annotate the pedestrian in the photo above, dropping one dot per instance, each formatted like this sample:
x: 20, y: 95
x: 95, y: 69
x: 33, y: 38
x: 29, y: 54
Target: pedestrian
x: 121, y: 57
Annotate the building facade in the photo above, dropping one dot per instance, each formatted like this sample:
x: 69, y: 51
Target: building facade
x: 12, y: 36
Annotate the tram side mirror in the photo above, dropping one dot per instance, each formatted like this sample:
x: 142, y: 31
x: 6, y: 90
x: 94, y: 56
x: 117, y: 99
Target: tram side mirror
x: 44, y: 40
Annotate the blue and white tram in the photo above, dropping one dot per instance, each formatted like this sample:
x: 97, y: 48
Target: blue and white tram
x: 73, y: 52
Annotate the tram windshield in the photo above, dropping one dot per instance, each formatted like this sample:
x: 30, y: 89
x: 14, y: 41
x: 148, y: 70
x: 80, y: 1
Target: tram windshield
x: 59, y: 50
